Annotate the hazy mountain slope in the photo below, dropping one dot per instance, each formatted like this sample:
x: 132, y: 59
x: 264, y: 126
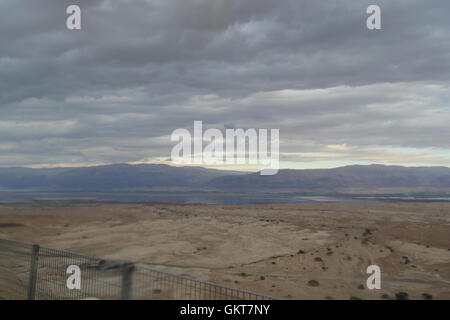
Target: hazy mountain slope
x: 118, y: 176
x: 125, y: 176
x: 367, y: 177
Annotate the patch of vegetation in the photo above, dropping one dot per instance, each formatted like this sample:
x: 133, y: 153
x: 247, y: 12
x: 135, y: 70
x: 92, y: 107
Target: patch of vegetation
x: 11, y: 225
x: 427, y: 296
x: 355, y: 298
x: 406, y: 260
x: 402, y: 296
x: 367, y: 232
x: 313, y: 283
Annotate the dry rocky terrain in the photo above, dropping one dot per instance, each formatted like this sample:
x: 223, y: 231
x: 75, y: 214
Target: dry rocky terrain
x: 292, y: 251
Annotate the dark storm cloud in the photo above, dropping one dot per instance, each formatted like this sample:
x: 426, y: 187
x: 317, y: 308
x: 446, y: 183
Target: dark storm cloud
x: 115, y: 90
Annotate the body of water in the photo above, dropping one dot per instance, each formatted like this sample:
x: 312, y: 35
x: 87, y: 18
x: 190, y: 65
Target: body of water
x: 188, y: 198
x: 203, y: 198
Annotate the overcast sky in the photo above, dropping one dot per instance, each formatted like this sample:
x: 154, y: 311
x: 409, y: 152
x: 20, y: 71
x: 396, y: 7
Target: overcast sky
x: 115, y: 90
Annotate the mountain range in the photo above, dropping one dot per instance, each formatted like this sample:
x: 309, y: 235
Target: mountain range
x: 353, y: 178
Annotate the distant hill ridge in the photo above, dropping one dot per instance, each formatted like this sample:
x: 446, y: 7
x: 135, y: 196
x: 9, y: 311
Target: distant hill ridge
x: 126, y: 176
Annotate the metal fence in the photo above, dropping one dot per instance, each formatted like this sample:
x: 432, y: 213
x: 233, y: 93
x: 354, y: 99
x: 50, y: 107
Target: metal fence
x: 29, y: 271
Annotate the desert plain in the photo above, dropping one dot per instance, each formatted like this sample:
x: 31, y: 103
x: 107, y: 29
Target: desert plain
x: 289, y: 251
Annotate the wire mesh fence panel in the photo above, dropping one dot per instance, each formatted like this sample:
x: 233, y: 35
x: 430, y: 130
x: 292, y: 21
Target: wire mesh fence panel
x: 37, y: 272
x: 150, y: 284
x: 99, y: 278
x: 14, y: 269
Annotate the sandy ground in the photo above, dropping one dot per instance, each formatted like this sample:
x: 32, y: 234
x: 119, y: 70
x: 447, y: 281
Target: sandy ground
x: 272, y: 249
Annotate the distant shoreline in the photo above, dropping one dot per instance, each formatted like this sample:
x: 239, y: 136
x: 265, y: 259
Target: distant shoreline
x: 221, y: 198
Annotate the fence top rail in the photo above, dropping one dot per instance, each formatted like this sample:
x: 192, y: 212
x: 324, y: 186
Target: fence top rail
x: 59, y: 250
x: 143, y: 267
x: 16, y: 241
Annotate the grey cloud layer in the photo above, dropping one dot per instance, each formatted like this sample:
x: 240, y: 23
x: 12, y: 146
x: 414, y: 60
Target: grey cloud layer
x: 114, y: 91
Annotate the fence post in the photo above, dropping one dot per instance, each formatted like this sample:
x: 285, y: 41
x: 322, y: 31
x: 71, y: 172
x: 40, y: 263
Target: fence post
x: 127, y: 281
x: 33, y: 272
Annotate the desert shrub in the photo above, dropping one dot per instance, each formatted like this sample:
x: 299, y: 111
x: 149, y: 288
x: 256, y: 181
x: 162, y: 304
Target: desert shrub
x: 402, y: 296
x: 427, y: 296
x: 313, y: 283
